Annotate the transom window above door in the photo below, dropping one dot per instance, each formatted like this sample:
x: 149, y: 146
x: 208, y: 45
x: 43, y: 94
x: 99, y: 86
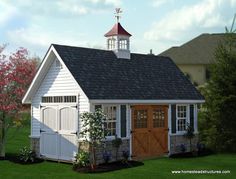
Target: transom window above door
x: 59, y: 99
x: 111, y: 120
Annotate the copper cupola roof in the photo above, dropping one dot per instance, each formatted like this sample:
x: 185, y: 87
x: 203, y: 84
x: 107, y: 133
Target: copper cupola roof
x: 117, y: 29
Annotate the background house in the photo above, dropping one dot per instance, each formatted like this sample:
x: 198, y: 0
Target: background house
x: 195, y: 56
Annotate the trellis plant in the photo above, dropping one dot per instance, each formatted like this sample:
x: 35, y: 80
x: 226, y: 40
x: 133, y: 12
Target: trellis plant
x: 93, y: 130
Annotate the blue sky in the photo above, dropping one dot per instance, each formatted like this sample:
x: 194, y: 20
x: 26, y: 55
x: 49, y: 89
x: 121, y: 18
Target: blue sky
x: 154, y: 24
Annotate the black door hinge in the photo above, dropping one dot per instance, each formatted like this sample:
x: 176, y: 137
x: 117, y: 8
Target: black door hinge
x: 42, y: 130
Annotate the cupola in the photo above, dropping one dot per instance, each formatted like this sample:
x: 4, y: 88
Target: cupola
x: 118, y: 39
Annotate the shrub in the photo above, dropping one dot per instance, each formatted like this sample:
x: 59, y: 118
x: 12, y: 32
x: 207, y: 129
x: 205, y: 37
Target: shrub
x: 125, y: 155
x: 93, y: 131
x: 182, y: 148
x: 81, y: 159
x: 117, y: 143
x: 27, y: 155
x: 189, y: 134
x: 106, y: 156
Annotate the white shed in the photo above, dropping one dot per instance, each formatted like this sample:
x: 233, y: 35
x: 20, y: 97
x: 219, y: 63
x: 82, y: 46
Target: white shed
x: 148, y: 100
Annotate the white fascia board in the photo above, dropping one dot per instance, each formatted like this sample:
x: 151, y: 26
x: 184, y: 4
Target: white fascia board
x: 31, y: 90
x: 61, y: 61
x: 27, y: 97
x: 124, y: 101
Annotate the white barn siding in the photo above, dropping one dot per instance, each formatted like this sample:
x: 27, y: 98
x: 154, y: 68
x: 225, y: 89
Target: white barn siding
x: 58, y: 81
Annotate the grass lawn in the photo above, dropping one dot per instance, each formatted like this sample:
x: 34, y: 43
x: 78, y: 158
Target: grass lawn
x: 156, y: 168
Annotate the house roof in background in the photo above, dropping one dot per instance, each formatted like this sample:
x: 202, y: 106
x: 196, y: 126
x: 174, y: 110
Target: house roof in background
x: 199, y: 50
x: 117, y: 29
x: 101, y: 75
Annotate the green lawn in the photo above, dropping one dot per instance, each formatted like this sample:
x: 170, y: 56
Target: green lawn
x: 156, y: 168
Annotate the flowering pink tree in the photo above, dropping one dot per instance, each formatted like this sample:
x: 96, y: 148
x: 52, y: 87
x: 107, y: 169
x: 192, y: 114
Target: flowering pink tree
x: 16, y: 73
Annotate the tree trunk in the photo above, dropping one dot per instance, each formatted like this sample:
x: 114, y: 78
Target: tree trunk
x: 190, y: 145
x: 2, y: 136
x: 93, y: 166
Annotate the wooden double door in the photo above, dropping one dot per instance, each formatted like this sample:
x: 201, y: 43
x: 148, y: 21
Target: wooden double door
x: 149, y: 131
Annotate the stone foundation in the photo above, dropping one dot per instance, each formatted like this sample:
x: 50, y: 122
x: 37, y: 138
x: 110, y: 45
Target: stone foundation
x: 35, y: 145
x: 106, y: 147
x: 177, y: 140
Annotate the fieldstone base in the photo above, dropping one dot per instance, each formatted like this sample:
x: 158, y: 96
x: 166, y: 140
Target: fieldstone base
x: 178, y: 142
x: 35, y: 145
x: 106, y: 147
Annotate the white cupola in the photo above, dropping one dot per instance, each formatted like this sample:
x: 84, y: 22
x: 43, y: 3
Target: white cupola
x: 118, y: 39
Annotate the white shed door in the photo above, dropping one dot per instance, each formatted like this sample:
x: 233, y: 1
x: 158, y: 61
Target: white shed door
x: 67, y: 133
x: 49, y: 135
x: 58, y: 132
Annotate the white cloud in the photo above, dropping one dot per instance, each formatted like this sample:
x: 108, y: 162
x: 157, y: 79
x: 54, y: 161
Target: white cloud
x: 114, y: 3
x: 7, y: 12
x: 38, y: 39
x: 201, y: 15
x: 158, y: 3
x: 35, y: 35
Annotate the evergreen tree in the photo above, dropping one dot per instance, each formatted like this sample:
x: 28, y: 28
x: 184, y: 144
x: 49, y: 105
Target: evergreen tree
x: 218, y: 120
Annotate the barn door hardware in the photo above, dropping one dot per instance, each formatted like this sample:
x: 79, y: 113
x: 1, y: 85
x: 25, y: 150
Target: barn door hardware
x: 76, y: 106
x: 42, y: 130
x: 74, y: 133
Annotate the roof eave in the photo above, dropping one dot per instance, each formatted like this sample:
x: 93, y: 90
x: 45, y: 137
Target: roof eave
x: 147, y: 101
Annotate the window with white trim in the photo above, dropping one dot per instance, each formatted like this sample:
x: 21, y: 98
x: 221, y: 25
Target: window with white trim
x: 111, y: 43
x: 123, y: 44
x: 111, y: 120
x: 181, y: 117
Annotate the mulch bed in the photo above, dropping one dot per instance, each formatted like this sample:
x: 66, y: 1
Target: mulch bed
x: 192, y: 154
x: 15, y: 159
x: 109, y: 167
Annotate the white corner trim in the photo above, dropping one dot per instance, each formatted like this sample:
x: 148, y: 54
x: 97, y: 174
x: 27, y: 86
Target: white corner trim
x: 130, y: 101
x: 169, y: 126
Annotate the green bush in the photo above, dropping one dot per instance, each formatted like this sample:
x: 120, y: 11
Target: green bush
x: 27, y: 155
x: 117, y: 142
x: 81, y: 159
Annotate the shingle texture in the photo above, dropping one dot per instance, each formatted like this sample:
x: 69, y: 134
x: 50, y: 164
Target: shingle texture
x: 102, y: 75
x: 200, y: 50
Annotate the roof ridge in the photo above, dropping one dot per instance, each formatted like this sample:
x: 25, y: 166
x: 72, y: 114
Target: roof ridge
x: 53, y: 44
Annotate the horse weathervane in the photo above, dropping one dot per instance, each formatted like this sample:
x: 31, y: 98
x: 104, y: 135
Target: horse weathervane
x: 118, y: 14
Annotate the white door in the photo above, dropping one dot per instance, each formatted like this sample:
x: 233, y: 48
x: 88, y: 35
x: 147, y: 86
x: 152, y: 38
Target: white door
x: 68, y: 127
x: 49, y: 135
x: 59, y: 132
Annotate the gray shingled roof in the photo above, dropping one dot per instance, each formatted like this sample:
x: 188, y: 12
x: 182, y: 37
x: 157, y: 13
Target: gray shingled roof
x: 102, y: 76
x: 199, y: 50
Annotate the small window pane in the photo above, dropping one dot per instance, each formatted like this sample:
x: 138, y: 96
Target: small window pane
x: 140, y: 119
x: 158, y: 118
x: 181, y: 117
x: 110, y: 123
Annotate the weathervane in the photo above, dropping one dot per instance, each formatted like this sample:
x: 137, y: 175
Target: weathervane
x: 118, y: 14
